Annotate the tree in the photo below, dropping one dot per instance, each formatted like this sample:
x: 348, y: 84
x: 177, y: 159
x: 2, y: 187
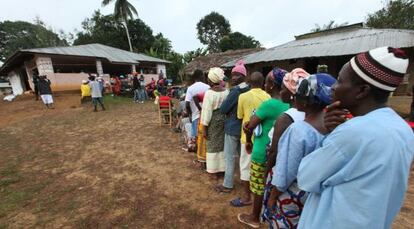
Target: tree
x: 398, y: 14
x: 162, y: 45
x: 174, y: 68
x: 105, y: 30
x: 211, y: 29
x: 190, y: 55
x: 237, y: 40
x: 23, y: 35
x: 330, y: 25
x: 123, y: 11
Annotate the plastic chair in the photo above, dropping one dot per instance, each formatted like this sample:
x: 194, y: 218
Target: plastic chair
x: 165, y: 111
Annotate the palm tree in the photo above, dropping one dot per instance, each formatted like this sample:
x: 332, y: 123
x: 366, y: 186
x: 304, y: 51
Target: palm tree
x: 123, y: 11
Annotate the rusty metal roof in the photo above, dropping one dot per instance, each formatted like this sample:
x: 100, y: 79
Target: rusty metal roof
x: 347, y: 40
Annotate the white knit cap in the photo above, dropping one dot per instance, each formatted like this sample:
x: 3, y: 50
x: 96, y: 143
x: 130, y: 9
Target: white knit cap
x: 382, y: 67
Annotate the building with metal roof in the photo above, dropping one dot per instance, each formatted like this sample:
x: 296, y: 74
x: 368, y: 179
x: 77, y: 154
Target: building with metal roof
x: 204, y: 63
x: 66, y: 67
x: 332, y: 47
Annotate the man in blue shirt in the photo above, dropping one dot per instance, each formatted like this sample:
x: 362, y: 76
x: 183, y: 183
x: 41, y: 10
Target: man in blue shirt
x: 358, y: 178
x: 232, y: 125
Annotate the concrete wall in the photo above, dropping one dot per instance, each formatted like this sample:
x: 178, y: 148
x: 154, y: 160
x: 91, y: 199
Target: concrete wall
x: 68, y: 81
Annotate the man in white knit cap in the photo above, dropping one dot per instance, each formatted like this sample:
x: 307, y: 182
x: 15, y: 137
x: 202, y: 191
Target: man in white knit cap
x: 359, y: 176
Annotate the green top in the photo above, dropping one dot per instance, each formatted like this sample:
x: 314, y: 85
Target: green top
x: 267, y: 112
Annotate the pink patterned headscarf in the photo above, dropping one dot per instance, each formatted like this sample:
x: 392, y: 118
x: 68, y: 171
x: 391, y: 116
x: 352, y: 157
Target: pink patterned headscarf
x: 291, y: 79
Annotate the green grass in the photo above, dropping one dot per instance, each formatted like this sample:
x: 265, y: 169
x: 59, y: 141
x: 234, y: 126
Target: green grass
x: 13, y: 196
x: 116, y: 100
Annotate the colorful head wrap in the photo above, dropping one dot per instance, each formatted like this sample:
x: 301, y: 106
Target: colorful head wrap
x: 216, y: 75
x: 291, y: 79
x: 317, y: 88
x: 278, y: 75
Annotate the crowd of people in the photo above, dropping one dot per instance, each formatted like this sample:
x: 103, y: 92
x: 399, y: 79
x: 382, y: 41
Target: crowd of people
x: 94, y: 88
x: 313, y: 151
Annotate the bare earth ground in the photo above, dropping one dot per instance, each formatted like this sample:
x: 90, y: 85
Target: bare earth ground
x: 72, y: 168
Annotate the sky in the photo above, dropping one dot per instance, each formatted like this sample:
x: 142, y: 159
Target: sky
x: 272, y: 22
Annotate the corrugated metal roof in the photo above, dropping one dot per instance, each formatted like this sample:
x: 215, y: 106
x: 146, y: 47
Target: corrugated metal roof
x: 335, y: 42
x: 114, y: 55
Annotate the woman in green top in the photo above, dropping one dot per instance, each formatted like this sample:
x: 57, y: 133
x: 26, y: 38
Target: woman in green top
x: 262, y: 121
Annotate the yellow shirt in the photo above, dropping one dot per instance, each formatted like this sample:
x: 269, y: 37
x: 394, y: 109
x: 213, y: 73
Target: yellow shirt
x: 85, y: 90
x: 248, y: 102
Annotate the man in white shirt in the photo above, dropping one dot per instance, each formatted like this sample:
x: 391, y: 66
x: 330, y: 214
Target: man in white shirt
x: 198, y: 87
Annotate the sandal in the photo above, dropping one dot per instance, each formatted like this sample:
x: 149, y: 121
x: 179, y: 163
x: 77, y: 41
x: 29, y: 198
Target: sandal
x: 239, y: 203
x: 222, y: 189
x: 241, y: 220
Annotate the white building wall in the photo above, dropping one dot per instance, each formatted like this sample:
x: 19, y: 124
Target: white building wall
x: 16, y: 83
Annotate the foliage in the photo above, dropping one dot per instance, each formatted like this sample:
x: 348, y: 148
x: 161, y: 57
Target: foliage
x: 23, y: 35
x: 330, y: 25
x: 105, y: 30
x: 174, y: 68
x: 398, y: 14
x: 161, y: 45
x: 237, y: 40
x: 211, y: 29
x: 190, y: 55
x: 123, y: 10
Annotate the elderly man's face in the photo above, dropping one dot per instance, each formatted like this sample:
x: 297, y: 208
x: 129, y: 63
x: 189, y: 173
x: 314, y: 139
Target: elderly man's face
x: 345, y: 90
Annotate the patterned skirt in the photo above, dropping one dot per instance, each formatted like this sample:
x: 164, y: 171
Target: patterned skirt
x: 287, y: 209
x: 257, y: 178
x: 215, y: 143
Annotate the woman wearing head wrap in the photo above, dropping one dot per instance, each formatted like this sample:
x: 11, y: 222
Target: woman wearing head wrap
x: 286, y: 200
x: 213, y: 121
x: 263, y: 119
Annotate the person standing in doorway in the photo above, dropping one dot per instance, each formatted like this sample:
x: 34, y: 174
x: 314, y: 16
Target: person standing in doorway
x: 35, y: 77
x: 45, y: 91
x: 96, y: 93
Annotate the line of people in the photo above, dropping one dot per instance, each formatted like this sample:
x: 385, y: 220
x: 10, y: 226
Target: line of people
x: 313, y: 151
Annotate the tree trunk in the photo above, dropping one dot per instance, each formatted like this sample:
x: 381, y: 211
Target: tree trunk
x: 127, y: 32
x: 133, y: 68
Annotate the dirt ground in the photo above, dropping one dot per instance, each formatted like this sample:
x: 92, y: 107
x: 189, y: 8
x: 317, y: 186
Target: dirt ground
x: 73, y: 168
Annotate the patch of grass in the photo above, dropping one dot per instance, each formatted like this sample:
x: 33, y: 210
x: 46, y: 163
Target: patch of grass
x: 9, y: 174
x: 116, y: 100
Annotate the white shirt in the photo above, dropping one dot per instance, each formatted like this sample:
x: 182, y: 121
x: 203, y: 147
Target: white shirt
x: 193, y: 90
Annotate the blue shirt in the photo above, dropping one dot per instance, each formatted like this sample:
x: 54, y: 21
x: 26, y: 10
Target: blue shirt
x: 359, y: 176
x: 297, y: 141
x: 232, y: 125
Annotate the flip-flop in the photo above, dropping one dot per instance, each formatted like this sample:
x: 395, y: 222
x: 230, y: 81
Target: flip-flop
x: 238, y: 203
x: 221, y: 188
x: 241, y: 220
